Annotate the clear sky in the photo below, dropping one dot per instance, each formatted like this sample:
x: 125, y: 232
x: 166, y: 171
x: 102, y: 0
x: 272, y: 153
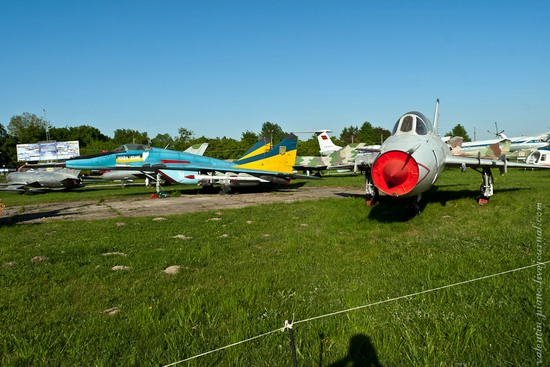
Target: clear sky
x: 220, y: 68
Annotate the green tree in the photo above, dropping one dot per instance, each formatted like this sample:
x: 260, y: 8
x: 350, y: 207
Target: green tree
x: 28, y: 128
x: 129, y: 136
x: 308, y: 147
x: 273, y: 132
x: 459, y: 130
x: 97, y: 146
x: 367, y: 134
x: 349, y: 135
x: 223, y: 148
x: 163, y: 141
x: 184, y: 139
x: 87, y: 134
x: 248, y: 139
x: 8, y: 152
x: 60, y: 133
x: 382, y: 134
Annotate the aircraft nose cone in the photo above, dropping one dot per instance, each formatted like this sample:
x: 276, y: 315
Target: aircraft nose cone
x: 395, y: 173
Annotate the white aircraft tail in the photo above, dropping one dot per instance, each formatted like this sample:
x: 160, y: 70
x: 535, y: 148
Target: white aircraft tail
x: 326, y: 146
x: 197, y: 149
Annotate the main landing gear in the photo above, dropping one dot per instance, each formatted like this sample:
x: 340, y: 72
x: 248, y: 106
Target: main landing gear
x: 411, y: 205
x: 487, y: 185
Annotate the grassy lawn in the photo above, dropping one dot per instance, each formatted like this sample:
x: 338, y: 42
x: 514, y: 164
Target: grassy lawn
x: 243, y: 272
x: 106, y: 191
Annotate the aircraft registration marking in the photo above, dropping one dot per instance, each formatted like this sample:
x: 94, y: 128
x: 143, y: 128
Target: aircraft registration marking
x: 127, y: 158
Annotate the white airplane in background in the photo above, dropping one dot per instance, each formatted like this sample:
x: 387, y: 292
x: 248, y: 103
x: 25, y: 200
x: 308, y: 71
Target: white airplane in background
x: 524, y: 142
x: 412, y: 158
x: 529, y: 142
x: 540, y: 157
x: 326, y: 146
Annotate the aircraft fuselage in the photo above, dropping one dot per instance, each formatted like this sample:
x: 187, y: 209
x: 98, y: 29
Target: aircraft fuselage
x: 410, y: 160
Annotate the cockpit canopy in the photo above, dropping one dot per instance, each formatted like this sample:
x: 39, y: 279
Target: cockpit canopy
x: 412, y: 123
x: 127, y: 147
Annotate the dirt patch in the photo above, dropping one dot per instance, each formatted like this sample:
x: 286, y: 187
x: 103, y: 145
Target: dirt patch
x: 91, y: 210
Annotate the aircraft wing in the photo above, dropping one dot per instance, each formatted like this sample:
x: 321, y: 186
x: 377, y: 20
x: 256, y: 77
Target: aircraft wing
x: 230, y: 169
x: 502, y: 163
x: 311, y: 168
x: 297, y: 176
x: 12, y: 187
x: 20, y: 186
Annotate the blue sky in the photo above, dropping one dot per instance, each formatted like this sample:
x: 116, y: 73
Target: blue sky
x: 220, y: 68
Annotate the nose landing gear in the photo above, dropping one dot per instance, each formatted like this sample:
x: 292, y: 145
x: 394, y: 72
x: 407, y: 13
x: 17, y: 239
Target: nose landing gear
x: 371, y: 192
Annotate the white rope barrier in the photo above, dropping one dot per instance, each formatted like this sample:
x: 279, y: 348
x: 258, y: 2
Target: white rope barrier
x: 289, y: 325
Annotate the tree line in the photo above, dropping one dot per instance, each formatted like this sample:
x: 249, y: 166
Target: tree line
x: 30, y: 128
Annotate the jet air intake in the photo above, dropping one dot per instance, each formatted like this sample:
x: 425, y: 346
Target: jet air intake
x: 395, y: 173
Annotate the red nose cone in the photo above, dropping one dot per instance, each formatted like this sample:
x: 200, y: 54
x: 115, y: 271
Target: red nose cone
x: 395, y: 173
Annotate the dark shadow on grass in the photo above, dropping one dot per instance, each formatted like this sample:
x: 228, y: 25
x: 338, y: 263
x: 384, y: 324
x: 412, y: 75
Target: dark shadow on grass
x: 390, y: 210
x: 361, y: 353
x: 350, y: 195
x: 20, y: 218
x: 252, y: 189
x: 435, y: 195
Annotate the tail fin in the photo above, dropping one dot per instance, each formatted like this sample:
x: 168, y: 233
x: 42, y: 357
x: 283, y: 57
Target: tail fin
x: 279, y: 159
x: 326, y: 146
x: 197, y: 149
x: 261, y: 147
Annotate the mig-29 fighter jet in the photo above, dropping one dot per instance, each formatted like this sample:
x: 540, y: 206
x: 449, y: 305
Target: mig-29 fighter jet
x: 254, y: 168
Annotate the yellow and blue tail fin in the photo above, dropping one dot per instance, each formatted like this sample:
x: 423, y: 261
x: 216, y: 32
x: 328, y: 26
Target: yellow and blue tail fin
x: 279, y: 159
x: 261, y: 147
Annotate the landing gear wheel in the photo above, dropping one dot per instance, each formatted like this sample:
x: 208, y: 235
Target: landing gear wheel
x: 486, y: 188
x: 225, y: 190
x: 411, y: 207
x: 371, y: 201
x: 483, y: 201
x: 371, y: 191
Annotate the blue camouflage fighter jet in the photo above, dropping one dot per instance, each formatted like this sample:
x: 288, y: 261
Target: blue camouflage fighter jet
x: 259, y: 165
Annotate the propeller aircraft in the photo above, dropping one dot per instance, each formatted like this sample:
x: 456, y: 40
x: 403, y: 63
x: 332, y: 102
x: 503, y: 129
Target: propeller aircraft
x: 412, y: 158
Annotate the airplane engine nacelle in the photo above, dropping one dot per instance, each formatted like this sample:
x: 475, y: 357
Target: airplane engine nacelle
x: 276, y: 180
x: 395, y: 173
x: 403, y: 174
x: 244, y: 183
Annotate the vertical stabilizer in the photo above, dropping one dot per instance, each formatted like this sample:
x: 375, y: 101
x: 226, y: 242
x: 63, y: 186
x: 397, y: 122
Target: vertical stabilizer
x: 261, y: 147
x: 197, y: 149
x: 326, y: 146
x: 279, y: 159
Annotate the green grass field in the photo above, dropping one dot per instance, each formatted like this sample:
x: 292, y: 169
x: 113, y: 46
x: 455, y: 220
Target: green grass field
x: 244, y: 272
